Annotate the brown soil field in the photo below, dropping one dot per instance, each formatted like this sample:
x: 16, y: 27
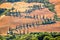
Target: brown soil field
x: 43, y: 12
x: 57, y: 9
x: 12, y: 22
x: 57, y: 6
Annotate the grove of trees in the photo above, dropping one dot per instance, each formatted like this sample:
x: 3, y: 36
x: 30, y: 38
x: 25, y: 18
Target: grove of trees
x: 33, y: 36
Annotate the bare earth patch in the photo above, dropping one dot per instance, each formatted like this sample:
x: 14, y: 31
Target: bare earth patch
x: 8, y: 21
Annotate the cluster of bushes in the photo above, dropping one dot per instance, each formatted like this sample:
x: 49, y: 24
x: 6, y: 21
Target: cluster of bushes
x: 33, y: 36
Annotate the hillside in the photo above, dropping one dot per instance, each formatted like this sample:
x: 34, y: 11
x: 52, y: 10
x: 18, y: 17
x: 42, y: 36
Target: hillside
x: 26, y: 17
x: 12, y: 22
x: 6, y: 23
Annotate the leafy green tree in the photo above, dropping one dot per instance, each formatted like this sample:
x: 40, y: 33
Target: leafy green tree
x: 47, y: 34
x: 52, y: 39
x: 34, y: 37
x: 57, y: 38
x: 53, y: 34
x: 2, y: 38
x: 58, y: 33
x: 46, y: 38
